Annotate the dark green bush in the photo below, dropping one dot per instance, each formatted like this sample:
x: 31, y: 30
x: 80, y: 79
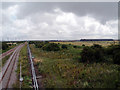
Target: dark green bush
x: 4, y: 46
x: 76, y: 46
x: 112, y: 49
x: 116, y: 54
x: 97, y: 53
x: 89, y: 54
x: 51, y: 47
x: 64, y: 46
x: 40, y: 44
x: 116, y: 58
x: 83, y: 45
x: 46, y: 42
x: 96, y: 46
x: 86, y: 54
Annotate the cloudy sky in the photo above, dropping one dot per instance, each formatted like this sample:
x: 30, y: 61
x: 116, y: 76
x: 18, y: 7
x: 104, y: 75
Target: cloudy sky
x: 61, y: 20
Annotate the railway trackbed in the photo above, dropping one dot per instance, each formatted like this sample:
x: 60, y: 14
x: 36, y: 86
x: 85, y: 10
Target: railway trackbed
x: 7, y: 53
x: 7, y: 74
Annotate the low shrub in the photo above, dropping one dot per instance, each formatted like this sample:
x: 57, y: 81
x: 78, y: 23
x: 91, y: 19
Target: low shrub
x: 74, y: 46
x: 97, y: 53
x: 89, y: 54
x: 4, y: 46
x: 96, y: 46
x: 40, y: 44
x: 51, y: 47
x: 86, y: 54
x: 116, y: 58
x: 83, y: 45
x: 114, y: 52
x: 64, y: 46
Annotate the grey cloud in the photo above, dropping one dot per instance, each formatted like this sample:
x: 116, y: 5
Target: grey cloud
x: 40, y: 21
x: 101, y: 10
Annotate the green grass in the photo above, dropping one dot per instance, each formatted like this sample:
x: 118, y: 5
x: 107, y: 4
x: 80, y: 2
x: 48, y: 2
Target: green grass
x: 62, y: 69
x: 23, y: 58
x: 0, y: 51
x: 4, y: 60
x: 65, y: 74
x: 62, y: 54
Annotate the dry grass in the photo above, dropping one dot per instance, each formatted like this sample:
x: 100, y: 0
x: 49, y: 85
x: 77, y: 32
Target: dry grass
x: 38, y: 60
x: 90, y: 43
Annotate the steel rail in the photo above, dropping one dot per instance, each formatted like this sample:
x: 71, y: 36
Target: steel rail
x: 8, y: 64
x: 12, y: 60
x: 15, y: 57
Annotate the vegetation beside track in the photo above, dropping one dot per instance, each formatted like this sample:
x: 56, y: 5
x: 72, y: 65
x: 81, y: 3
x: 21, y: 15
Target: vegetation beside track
x: 64, y: 69
x: 4, y: 60
x: 25, y: 66
x: 6, y: 47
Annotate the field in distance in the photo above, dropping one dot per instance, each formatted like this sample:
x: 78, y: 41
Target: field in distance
x: 90, y: 43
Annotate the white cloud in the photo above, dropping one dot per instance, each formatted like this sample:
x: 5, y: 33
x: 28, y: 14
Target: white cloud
x: 57, y: 25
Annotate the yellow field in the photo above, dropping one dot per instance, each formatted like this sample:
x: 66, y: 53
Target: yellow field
x: 90, y: 43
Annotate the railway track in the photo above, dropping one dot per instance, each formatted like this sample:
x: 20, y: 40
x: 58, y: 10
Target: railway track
x: 34, y: 80
x: 8, y: 69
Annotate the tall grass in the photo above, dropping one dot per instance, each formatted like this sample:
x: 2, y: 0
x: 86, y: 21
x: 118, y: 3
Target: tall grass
x: 61, y: 69
x: 26, y: 74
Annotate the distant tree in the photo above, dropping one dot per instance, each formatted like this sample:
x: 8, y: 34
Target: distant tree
x: 96, y: 46
x: 4, y: 46
x: 74, y: 46
x: 83, y: 45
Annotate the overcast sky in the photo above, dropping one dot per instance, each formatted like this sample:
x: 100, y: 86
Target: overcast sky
x: 63, y: 21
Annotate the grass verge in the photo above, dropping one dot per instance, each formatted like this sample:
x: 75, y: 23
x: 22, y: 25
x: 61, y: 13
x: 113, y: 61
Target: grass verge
x: 23, y: 59
x: 4, y: 60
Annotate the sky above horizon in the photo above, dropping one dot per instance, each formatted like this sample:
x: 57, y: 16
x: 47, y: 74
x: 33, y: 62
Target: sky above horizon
x: 59, y: 21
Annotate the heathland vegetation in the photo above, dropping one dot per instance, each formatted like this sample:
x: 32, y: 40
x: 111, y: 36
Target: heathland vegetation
x: 72, y: 66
